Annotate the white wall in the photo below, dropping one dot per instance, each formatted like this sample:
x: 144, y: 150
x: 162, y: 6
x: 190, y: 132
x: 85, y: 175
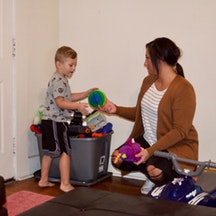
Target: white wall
x: 110, y: 37
x: 36, y: 27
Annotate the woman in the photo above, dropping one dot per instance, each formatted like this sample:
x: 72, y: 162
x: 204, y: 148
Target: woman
x: 163, y: 115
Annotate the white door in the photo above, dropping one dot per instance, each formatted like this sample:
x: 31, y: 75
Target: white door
x: 6, y: 89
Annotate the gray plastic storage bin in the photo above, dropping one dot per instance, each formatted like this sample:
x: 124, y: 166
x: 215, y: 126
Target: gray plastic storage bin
x: 89, y: 160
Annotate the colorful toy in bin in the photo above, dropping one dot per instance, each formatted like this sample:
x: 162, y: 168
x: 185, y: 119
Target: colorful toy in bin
x: 96, y: 99
x: 36, y: 126
x: 96, y: 120
x: 106, y: 128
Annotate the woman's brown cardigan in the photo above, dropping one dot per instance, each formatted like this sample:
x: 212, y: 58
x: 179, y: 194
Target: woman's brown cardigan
x: 175, y: 130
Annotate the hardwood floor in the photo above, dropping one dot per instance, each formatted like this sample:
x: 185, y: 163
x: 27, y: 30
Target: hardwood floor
x: 114, y: 184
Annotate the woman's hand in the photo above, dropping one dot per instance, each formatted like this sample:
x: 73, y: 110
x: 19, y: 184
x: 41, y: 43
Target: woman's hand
x: 144, y: 156
x: 109, y: 107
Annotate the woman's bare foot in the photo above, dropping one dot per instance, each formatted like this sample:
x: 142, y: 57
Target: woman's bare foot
x: 45, y: 184
x: 66, y: 188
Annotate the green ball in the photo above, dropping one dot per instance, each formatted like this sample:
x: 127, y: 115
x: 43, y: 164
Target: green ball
x: 97, y: 98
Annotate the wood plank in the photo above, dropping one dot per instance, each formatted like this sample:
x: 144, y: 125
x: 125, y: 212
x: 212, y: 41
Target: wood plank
x: 114, y: 184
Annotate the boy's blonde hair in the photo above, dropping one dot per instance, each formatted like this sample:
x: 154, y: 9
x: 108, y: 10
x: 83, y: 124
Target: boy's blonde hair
x: 65, y: 52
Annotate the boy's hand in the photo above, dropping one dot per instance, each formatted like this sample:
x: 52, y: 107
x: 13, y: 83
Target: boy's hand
x: 83, y: 108
x: 90, y: 90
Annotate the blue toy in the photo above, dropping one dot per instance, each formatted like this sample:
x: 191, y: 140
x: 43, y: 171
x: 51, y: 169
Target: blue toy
x: 184, y: 188
x: 205, y: 199
x: 105, y: 129
x: 181, y: 189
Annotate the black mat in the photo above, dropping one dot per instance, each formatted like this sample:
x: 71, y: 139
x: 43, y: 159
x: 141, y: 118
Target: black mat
x: 84, y: 201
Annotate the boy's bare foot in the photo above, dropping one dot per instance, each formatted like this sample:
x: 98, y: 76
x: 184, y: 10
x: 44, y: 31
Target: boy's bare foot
x: 45, y: 184
x: 66, y: 188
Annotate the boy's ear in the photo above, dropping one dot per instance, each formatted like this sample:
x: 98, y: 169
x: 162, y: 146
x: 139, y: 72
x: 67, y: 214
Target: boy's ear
x: 57, y: 63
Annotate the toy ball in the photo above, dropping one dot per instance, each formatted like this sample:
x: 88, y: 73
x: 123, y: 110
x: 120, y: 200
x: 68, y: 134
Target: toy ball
x: 97, y: 98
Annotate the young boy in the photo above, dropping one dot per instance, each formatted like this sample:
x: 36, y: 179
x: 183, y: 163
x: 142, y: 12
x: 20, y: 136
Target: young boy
x: 59, y: 104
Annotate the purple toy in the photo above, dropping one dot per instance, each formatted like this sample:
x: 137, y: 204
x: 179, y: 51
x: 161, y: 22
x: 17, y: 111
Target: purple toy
x: 129, y: 150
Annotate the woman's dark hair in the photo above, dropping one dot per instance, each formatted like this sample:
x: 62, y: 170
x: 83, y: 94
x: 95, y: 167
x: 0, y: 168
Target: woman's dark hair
x: 166, y: 50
